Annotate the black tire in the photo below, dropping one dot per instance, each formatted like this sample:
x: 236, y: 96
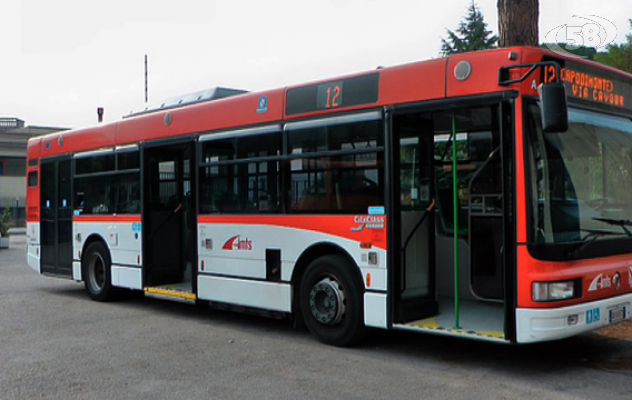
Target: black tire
x: 328, y: 280
x: 96, y: 272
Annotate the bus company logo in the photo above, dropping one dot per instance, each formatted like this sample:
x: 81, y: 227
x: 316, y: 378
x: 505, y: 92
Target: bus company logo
x: 262, y: 105
x: 590, y: 31
x: 603, y: 281
x: 236, y: 243
x: 367, y: 222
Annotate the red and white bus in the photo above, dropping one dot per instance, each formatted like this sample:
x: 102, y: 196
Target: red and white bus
x: 486, y: 195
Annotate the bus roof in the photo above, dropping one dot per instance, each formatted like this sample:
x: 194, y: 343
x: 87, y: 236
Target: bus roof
x: 409, y: 83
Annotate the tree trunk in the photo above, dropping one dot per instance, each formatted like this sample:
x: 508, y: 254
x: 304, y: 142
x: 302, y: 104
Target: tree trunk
x: 518, y: 23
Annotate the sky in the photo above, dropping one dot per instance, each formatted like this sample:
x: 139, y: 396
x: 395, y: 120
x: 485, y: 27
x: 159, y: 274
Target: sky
x: 60, y: 60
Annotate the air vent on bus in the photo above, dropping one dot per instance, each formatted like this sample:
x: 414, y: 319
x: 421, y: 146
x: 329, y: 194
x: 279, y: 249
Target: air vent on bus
x: 192, y: 98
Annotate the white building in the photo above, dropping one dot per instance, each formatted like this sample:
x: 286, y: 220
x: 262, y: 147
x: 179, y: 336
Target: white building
x: 13, y: 137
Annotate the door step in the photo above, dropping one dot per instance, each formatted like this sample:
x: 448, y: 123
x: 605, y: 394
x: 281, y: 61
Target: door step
x: 170, y: 294
x: 431, y: 325
x: 477, y: 320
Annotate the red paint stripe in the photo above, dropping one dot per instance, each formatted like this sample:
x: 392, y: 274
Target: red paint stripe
x: 106, y: 218
x: 337, y: 225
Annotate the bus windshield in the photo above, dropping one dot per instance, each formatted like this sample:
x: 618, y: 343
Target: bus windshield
x: 580, y: 180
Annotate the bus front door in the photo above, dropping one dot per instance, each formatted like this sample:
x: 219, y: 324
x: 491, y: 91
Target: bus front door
x: 448, y: 172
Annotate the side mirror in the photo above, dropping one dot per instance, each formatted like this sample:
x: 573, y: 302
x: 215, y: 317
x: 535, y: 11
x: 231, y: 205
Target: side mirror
x: 554, y: 111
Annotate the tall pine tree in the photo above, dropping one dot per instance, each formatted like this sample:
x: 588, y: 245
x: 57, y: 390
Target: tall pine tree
x: 472, y: 34
x: 518, y: 22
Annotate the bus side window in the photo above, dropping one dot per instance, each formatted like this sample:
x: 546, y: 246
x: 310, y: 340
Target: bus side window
x: 128, y: 197
x: 241, y: 175
x: 98, y: 189
x: 95, y: 194
x: 32, y: 179
x: 348, y: 178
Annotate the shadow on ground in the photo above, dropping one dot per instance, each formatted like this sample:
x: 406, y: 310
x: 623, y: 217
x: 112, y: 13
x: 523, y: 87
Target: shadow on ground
x: 584, y: 351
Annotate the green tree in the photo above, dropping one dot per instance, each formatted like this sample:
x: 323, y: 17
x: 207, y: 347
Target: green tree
x: 618, y: 55
x: 583, y: 51
x: 5, y: 222
x: 472, y: 34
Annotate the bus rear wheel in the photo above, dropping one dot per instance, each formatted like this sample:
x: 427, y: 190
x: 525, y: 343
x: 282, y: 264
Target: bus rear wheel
x: 330, y: 299
x: 96, y: 270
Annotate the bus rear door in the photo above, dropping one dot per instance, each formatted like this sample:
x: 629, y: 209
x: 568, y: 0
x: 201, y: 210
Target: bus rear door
x: 56, y: 217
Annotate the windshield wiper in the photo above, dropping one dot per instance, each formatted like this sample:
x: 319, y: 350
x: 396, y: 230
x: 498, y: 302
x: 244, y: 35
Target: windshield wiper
x: 590, y: 237
x: 623, y: 223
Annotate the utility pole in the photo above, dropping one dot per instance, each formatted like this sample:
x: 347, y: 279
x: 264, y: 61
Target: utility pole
x: 145, y: 78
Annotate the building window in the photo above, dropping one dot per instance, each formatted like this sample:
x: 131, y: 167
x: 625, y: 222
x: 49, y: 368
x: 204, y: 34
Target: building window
x: 12, y: 166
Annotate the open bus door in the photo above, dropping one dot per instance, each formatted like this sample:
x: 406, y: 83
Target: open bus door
x: 169, y: 218
x: 451, y: 211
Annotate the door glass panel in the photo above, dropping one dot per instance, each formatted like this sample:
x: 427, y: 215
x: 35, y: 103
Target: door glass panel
x: 417, y: 226
x: 63, y: 195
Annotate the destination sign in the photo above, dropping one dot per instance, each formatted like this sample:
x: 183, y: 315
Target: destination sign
x: 335, y: 94
x: 593, y: 86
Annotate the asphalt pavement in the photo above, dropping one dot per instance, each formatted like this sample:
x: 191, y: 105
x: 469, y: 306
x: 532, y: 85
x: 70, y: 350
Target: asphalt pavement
x: 55, y: 343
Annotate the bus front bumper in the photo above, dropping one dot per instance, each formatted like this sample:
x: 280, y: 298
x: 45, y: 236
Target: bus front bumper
x: 537, y: 325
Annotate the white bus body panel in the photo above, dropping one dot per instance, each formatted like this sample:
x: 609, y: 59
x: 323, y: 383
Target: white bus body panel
x: 123, y: 240
x: 76, y: 271
x: 537, y: 325
x: 249, y: 260
x: 33, y: 249
x: 127, y: 277
x: 259, y: 294
x: 375, y: 310
x: 245, y: 257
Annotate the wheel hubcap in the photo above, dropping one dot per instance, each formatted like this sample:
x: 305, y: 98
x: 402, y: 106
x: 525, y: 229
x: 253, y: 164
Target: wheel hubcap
x: 96, y: 272
x: 327, y: 301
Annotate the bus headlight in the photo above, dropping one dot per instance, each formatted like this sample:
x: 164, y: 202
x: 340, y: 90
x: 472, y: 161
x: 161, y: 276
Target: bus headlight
x: 553, y: 291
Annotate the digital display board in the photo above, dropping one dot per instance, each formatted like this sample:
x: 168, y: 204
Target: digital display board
x: 335, y: 94
x: 592, y: 86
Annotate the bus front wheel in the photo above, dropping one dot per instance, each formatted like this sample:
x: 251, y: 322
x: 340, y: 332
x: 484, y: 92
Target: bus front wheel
x: 96, y: 272
x: 331, y: 301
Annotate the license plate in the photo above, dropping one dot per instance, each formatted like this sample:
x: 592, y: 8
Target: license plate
x: 617, y: 313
